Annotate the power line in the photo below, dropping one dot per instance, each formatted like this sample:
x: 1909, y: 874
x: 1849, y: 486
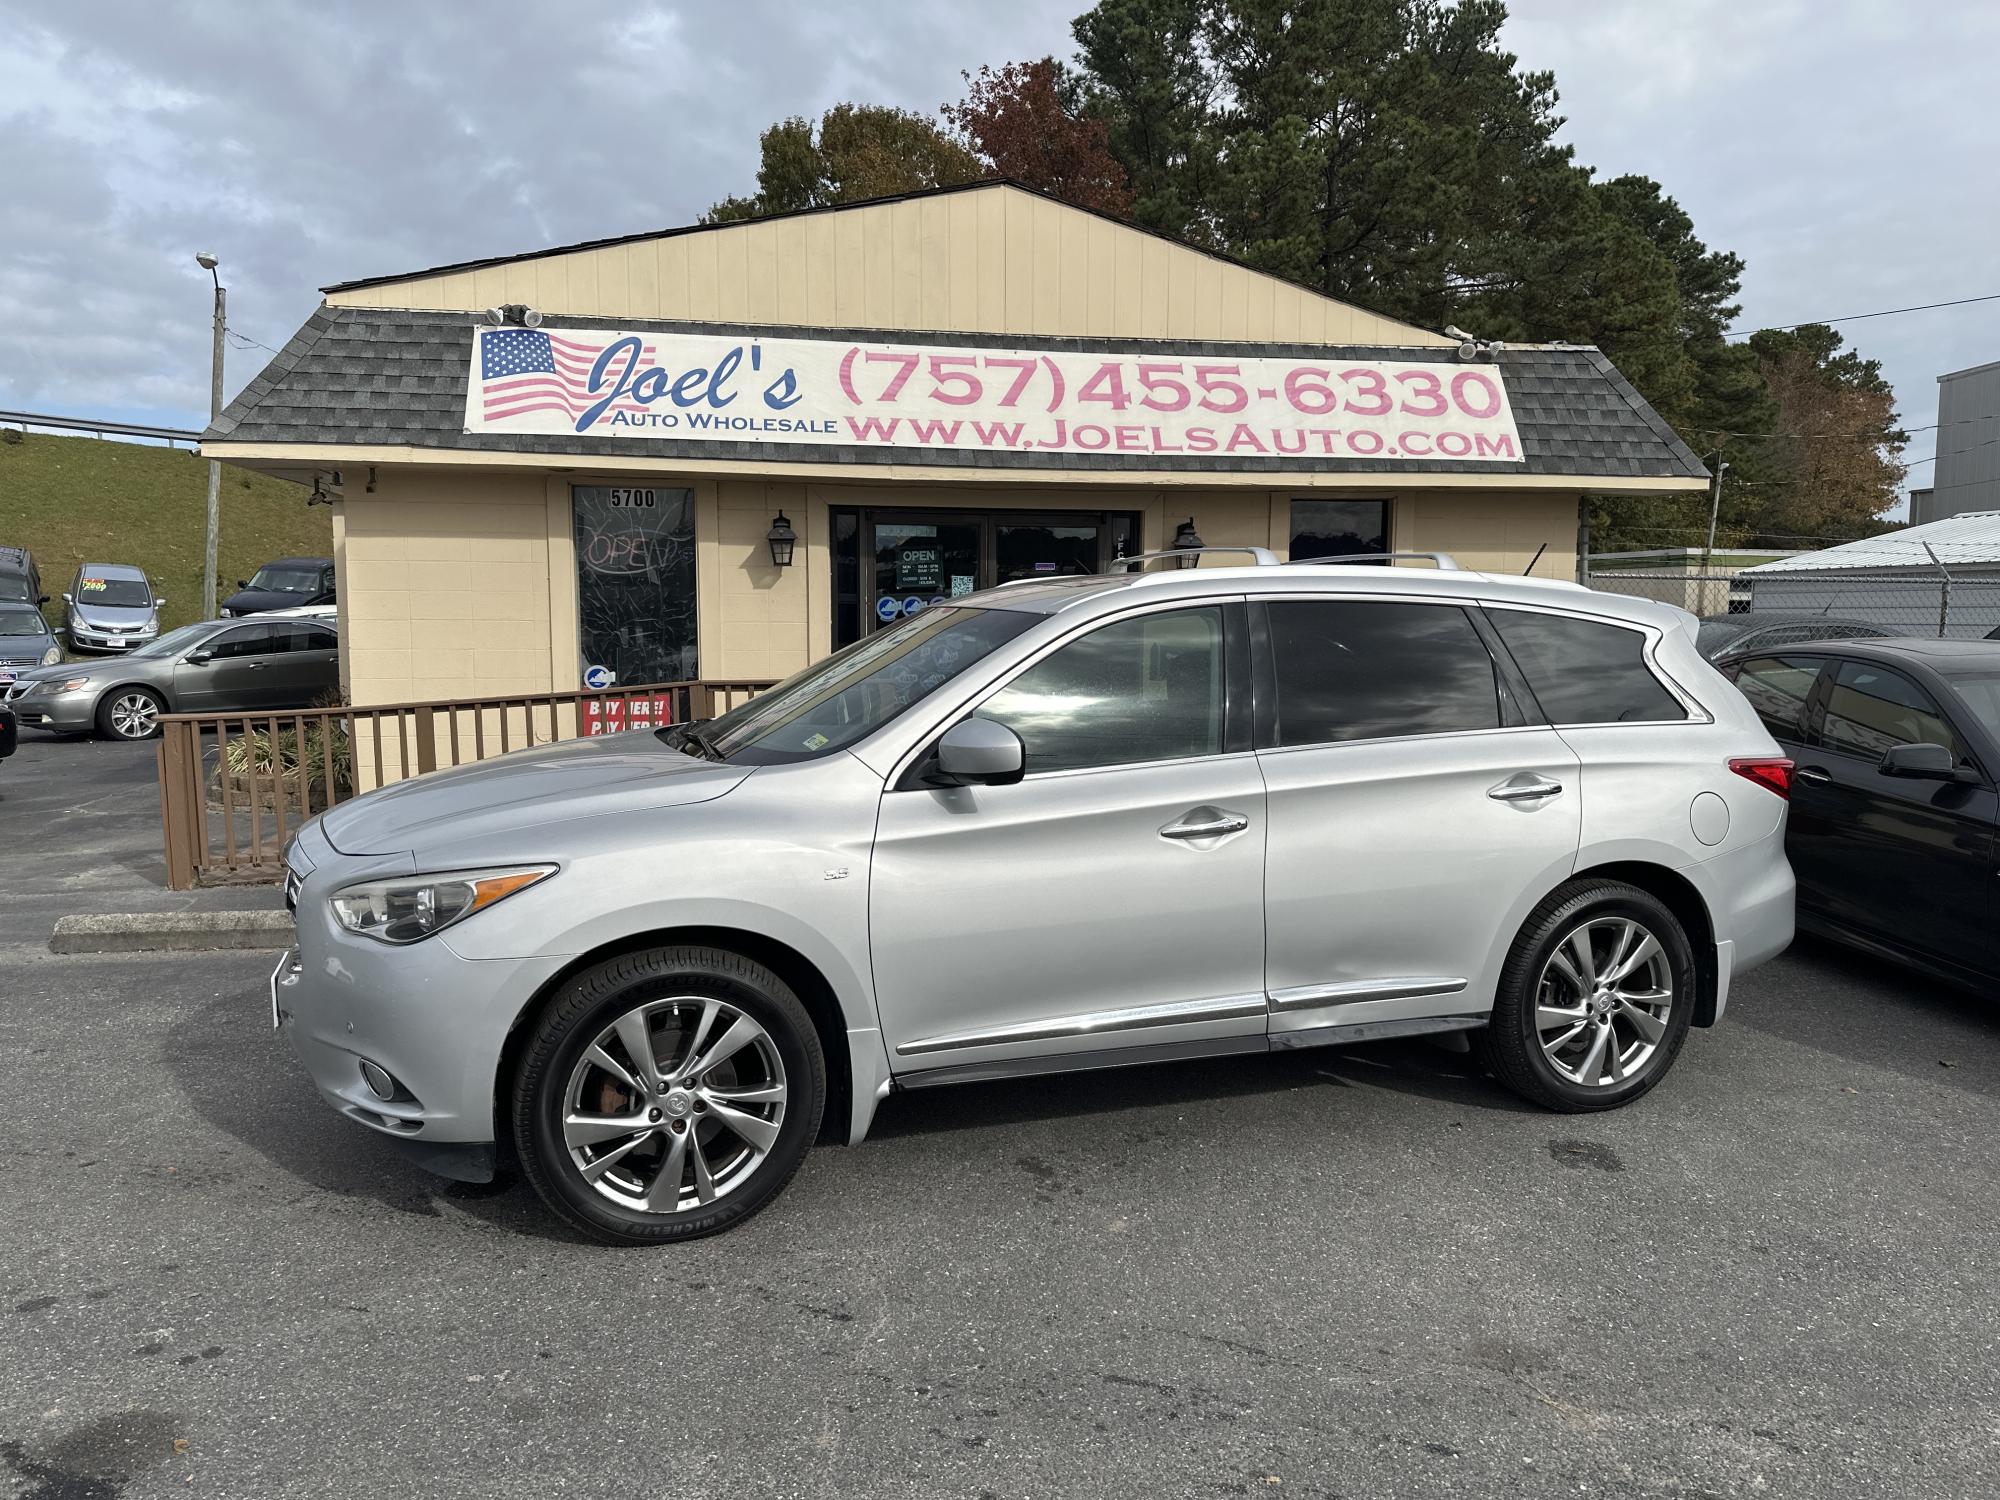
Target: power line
x: 1887, y: 312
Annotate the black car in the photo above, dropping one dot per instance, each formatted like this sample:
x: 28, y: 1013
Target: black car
x: 286, y: 583
x: 10, y: 731
x: 1892, y: 827
x: 1767, y: 629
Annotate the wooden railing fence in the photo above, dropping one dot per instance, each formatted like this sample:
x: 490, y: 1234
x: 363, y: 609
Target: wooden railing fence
x: 234, y: 787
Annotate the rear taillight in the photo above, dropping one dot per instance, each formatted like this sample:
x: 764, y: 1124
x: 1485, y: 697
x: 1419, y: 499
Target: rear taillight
x: 1774, y: 773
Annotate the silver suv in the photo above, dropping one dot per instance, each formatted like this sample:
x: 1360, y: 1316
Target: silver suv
x: 1061, y: 824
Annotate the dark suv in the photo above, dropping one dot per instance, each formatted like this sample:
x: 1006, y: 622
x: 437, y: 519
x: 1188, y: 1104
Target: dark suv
x: 20, y: 579
x: 286, y: 583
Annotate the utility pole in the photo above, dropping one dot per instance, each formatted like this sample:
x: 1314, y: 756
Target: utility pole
x: 1714, y: 509
x: 207, y: 261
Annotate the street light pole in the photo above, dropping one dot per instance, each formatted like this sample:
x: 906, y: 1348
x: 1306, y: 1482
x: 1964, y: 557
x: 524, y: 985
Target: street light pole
x: 207, y: 261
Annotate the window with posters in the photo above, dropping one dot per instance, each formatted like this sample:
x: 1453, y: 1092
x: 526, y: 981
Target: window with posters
x: 634, y: 584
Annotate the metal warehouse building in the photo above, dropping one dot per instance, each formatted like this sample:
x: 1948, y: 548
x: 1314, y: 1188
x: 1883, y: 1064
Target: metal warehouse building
x: 722, y: 451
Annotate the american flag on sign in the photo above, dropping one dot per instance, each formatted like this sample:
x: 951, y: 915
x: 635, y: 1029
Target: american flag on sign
x: 523, y: 370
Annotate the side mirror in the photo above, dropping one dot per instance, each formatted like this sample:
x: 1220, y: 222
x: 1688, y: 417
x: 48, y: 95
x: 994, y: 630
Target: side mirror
x: 1921, y: 763
x: 979, y: 752
x: 45, y: 599
x: 243, y: 583
x: 198, y: 658
x: 159, y: 601
x: 68, y: 600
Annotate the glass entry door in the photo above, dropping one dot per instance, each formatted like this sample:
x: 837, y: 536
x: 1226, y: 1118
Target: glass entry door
x: 910, y: 560
x: 919, y: 563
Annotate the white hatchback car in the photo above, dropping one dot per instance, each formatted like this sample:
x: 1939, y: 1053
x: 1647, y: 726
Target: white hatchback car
x: 1061, y: 824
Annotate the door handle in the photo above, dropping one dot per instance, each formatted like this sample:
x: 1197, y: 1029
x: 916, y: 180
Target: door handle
x: 1812, y: 776
x: 1212, y: 824
x: 1524, y: 788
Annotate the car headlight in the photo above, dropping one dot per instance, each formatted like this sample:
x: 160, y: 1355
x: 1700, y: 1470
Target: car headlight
x: 411, y: 908
x: 72, y: 684
x: 51, y: 656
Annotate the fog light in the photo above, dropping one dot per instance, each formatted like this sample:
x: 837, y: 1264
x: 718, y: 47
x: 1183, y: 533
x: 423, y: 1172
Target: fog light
x: 378, y: 1079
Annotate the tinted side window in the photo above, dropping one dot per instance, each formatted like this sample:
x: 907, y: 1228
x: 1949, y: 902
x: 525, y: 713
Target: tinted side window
x: 1585, y: 671
x: 1353, y: 669
x: 299, y: 636
x: 1148, y: 688
x: 256, y: 641
x: 1871, y: 708
x: 1778, y: 687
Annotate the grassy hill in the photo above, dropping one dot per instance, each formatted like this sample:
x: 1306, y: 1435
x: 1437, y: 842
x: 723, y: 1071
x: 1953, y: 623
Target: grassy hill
x: 71, y: 500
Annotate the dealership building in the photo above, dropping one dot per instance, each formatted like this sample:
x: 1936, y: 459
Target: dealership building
x: 722, y: 451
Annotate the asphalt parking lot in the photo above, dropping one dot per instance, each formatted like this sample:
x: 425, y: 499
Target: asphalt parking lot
x: 80, y: 832
x: 1359, y: 1274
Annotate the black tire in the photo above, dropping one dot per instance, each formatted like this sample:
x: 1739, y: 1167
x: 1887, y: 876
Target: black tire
x: 572, y: 1023
x: 109, y: 717
x: 1511, y: 1047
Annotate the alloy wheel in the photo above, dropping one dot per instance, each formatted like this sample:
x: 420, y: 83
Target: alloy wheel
x: 674, y: 1105
x: 134, y: 716
x: 1603, y: 1002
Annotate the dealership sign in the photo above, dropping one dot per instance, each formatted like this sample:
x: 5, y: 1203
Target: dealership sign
x: 605, y: 384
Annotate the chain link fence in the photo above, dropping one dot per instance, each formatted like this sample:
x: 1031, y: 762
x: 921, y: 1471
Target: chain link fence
x: 1895, y: 588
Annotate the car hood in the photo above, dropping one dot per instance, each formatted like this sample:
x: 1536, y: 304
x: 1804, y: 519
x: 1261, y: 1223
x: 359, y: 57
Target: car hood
x: 112, y: 614
x: 611, y: 774
x: 24, y: 648
x: 256, y: 601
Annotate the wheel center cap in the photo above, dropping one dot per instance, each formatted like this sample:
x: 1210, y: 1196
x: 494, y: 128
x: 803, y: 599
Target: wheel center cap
x: 678, y: 1104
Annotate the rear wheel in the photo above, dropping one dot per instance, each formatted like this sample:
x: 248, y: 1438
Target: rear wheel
x: 130, y: 713
x: 667, y: 1094
x: 1594, y: 1001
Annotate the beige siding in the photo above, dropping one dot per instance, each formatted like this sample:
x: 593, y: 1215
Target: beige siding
x: 1493, y: 532
x: 994, y: 260
x: 460, y: 584
x: 445, y: 588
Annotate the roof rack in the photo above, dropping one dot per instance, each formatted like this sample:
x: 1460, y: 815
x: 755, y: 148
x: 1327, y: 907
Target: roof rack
x: 1263, y: 557
x: 1446, y: 563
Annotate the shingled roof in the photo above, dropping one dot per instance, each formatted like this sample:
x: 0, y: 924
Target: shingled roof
x: 355, y: 376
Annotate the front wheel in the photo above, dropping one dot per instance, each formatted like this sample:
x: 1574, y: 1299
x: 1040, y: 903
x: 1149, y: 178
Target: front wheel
x: 1594, y: 1000
x: 130, y: 713
x: 667, y: 1094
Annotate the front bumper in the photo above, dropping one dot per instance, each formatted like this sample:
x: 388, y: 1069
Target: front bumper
x: 68, y: 713
x: 433, y: 1021
x: 94, y: 640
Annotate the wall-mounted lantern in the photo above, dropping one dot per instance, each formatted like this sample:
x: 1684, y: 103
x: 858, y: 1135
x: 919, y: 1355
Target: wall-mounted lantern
x: 1188, y: 540
x: 782, y: 539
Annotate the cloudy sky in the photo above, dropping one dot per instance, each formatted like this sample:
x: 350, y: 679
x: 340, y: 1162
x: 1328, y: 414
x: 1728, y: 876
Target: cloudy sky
x: 1845, y: 148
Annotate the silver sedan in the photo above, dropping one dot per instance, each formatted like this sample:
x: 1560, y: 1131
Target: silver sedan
x: 220, y: 665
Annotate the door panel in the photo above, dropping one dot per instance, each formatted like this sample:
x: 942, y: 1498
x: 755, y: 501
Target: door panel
x: 1112, y: 898
x: 1031, y: 907
x: 1909, y: 863
x: 238, y: 674
x: 1394, y: 864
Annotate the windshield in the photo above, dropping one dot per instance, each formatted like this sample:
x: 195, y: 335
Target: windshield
x: 184, y: 639
x: 857, y: 690
x: 1715, y: 634
x: 293, y: 578
x: 1981, y: 693
x: 22, y: 622
x: 114, y: 593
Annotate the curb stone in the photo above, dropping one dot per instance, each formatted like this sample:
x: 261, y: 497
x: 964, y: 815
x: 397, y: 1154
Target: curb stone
x: 171, y: 932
